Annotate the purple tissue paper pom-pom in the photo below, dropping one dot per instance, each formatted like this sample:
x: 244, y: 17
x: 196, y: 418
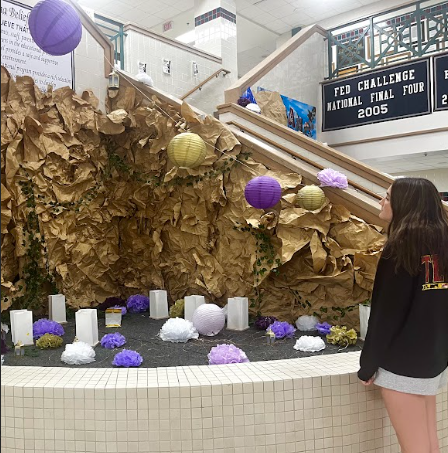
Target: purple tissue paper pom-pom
x: 263, y: 322
x: 43, y: 326
x: 332, y: 178
x: 226, y: 353
x: 113, y: 340
x: 138, y: 303
x: 123, y: 309
x: 127, y: 358
x: 282, y: 329
x: 323, y: 328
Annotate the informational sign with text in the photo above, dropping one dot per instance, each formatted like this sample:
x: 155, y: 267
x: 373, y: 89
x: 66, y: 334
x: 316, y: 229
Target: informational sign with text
x: 441, y: 82
x: 21, y: 56
x: 397, y: 92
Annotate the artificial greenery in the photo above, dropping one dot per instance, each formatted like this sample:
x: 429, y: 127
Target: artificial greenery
x: 39, y: 281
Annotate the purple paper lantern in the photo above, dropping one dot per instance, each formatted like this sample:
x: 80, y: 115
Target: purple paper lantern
x: 55, y: 27
x: 263, y: 192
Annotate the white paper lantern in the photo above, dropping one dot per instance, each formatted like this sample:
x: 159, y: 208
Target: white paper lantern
x: 209, y: 319
x: 178, y: 330
x: 306, y: 323
x: 309, y: 344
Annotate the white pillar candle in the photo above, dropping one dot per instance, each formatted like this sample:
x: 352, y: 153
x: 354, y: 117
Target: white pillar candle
x: 238, y: 313
x: 22, y: 327
x: 57, y: 311
x: 87, y: 326
x: 191, y: 303
x: 158, y: 304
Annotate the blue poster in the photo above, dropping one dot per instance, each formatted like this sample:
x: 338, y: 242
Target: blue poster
x: 301, y: 117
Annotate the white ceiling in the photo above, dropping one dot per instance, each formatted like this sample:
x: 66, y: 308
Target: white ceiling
x: 278, y: 16
x: 411, y: 162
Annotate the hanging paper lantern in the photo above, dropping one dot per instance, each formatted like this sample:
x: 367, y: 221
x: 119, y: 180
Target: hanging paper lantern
x: 209, y: 319
x: 55, y: 27
x: 311, y: 197
x: 187, y: 150
x: 263, y: 192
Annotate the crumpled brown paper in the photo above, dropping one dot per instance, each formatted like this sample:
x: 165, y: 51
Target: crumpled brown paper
x: 272, y: 106
x: 119, y: 219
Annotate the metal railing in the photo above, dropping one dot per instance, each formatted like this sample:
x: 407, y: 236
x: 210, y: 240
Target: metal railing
x: 404, y: 33
x: 114, y: 31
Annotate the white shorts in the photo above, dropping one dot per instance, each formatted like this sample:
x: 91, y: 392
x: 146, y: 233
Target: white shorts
x: 405, y: 384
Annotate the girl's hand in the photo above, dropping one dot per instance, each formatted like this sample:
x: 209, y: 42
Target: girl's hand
x: 369, y: 382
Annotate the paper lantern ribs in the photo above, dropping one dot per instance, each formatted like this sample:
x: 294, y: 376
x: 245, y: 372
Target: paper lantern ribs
x: 187, y: 150
x: 263, y: 192
x: 55, y: 27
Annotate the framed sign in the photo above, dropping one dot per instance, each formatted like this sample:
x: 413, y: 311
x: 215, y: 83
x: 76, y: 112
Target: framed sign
x: 400, y: 91
x: 21, y: 56
x: 441, y: 82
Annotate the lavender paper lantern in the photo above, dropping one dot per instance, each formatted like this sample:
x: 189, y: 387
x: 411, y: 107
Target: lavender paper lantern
x: 55, y: 27
x: 263, y: 192
x: 209, y: 319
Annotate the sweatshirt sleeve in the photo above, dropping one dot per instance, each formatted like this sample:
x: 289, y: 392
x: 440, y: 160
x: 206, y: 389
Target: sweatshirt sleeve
x: 391, y: 299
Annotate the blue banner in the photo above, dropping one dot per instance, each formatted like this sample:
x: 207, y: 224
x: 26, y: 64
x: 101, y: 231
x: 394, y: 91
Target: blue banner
x: 400, y: 91
x: 301, y: 117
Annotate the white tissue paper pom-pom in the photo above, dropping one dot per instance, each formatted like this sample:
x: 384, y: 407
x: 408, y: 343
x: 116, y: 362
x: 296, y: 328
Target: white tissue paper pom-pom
x: 5, y: 328
x: 3, y: 359
x: 78, y: 353
x: 253, y: 108
x: 306, y: 323
x: 145, y: 78
x: 309, y: 344
x: 178, y: 330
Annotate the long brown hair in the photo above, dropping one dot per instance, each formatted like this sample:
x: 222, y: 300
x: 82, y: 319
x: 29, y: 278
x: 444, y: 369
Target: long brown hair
x: 419, y: 225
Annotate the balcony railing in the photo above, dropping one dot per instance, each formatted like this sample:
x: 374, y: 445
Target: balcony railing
x: 114, y: 31
x: 404, y: 33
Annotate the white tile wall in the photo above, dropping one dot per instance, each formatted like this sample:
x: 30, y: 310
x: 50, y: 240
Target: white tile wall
x: 139, y: 47
x: 313, y: 405
x: 299, y: 74
x: 89, y: 68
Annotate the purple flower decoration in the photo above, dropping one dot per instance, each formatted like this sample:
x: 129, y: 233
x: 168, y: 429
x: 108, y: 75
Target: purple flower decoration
x: 43, y: 326
x: 263, y: 322
x: 226, y: 353
x: 243, y: 101
x: 113, y: 340
x: 127, y: 358
x: 282, y: 329
x: 123, y: 309
x: 111, y: 302
x: 332, y: 178
x: 138, y: 303
x: 323, y: 328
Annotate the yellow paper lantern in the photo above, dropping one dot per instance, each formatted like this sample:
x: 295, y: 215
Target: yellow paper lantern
x: 187, y: 150
x: 311, y: 197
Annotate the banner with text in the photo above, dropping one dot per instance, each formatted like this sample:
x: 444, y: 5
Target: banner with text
x: 387, y: 94
x: 441, y: 82
x: 21, y: 56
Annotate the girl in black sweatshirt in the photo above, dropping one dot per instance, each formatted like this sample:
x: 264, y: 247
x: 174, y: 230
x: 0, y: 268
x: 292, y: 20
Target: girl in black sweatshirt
x: 406, y: 347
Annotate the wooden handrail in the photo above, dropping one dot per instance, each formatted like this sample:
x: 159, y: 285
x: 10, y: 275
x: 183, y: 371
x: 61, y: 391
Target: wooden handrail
x: 198, y: 87
x: 98, y: 36
x: 309, y: 144
x: 299, y: 156
x: 232, y: 94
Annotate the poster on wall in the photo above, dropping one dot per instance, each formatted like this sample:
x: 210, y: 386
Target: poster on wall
x: 388, y: 94
x: 301, y: 117
x: 21, y: 56
x: 441, y: 82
